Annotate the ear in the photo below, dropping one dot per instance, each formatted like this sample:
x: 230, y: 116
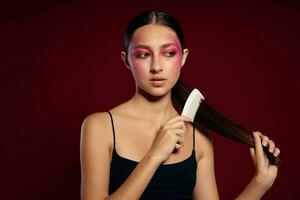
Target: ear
x: 184, y: 56
x: 125, y: 59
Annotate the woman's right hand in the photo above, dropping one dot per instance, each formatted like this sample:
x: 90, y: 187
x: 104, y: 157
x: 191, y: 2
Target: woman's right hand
x: 170, y: 136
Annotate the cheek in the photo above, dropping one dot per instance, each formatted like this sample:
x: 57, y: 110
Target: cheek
x: 138, y: 68
x: 138, y: 71
x: 176, y: 65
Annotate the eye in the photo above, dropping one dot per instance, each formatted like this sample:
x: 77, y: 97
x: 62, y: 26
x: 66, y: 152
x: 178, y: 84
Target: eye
x: 170, y: 53
x: 142, y: 55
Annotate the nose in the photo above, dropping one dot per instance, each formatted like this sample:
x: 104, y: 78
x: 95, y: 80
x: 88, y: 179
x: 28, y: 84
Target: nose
x: 156, y: 67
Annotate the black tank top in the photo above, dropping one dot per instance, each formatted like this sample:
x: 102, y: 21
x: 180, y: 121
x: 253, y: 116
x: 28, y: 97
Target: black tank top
x: 170, y: 181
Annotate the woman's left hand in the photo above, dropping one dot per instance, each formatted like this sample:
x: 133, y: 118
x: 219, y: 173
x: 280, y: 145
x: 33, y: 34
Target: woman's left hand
x: 265, y: 173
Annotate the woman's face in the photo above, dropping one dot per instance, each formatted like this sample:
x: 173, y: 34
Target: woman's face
x: 155, y: 58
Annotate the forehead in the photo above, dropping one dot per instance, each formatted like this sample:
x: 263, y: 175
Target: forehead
x: 154, y: 34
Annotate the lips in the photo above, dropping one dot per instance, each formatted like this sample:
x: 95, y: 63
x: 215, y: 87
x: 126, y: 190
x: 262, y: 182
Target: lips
x: 157, y: 82
x: 157, y: 79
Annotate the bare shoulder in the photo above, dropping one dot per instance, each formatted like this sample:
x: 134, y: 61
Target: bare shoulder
x: 96, y: 120
x: 97, y: 127
x: 203, y: 144
x: 95, y: 155
x: 101, y: 121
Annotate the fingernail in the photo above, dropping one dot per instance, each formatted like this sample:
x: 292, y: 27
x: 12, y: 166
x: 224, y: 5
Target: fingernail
x: 271, y: 151
x: 264, y: 144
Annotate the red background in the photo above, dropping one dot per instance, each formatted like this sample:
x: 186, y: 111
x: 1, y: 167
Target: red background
x: 60, y: 61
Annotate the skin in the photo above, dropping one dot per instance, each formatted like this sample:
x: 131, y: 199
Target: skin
x: 149, y: 129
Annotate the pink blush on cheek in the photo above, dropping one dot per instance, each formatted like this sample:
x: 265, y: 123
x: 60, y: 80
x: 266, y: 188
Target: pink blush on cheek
x: 138, y: 68
x: 139, y: 71
x: 176, y: 65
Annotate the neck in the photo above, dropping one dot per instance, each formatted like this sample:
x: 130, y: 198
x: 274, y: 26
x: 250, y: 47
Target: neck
x: 154, y: 109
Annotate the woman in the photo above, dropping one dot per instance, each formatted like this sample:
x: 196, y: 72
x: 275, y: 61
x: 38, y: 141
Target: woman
x: 143, y: 148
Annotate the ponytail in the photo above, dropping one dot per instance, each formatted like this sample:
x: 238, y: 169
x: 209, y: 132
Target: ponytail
x: 206, y: 116
x: 209, y: 118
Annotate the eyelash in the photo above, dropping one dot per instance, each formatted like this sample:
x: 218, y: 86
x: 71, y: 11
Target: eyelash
x: 145, y: 55
x: 142, y: 55
x: 170, y: 53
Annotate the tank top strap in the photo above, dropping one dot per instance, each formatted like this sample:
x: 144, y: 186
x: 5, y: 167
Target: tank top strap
x: 193, y: 136
x: 113, y: 129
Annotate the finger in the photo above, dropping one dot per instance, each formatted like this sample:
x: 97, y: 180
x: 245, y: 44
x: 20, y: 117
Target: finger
x: 179, y: 118
x: 271, y: 146
x: 185, y: 118
x: 276, y: 152
x: 258, y: 148
x: 179, y: 132
x: 180, y: 140
x: 179, y: 125
x: 268, y: 142
x: 265, y: 140
x: 165, y: 126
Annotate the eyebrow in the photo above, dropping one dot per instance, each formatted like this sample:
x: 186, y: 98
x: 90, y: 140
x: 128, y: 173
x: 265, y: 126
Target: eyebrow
x: 168, y: 44
x: 148, y: 47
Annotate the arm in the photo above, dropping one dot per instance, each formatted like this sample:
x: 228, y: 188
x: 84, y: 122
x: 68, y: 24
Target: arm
x: 265, y: 174
x: 96, y: 145
x: 206, y: 187
x: 263, y: 179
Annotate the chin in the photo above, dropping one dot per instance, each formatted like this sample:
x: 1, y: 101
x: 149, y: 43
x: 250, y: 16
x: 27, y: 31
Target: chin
x: 155, y: 91
x: 159, y: 93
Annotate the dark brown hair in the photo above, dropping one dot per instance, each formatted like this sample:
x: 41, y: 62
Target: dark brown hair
x: 206, y: 117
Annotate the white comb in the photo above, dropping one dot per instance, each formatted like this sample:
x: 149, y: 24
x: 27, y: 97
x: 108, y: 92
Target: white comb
x: 192, y: 104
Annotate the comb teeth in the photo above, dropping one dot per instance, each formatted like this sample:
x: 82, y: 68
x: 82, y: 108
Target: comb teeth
x: 192, y: 104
